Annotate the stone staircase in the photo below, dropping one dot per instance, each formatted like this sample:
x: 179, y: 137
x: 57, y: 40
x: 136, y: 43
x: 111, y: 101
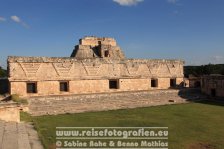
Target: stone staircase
x: 52, y: 105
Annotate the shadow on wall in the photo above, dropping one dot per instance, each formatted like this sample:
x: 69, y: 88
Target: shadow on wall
x: 191, y: 94
x: 174, y: 85
x: 195, y: 95
x: 4, y: 85
x: 197, y: 84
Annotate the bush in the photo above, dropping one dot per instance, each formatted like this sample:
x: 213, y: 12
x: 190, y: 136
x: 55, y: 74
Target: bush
x: 16, y: 98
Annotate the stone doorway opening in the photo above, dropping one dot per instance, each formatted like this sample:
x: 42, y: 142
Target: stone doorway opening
x: 31, y: 87
x: 197, y: 84
x: 173, y: 82
x: 213, y: 92
x: 154, y: 82
x: 106, y: 53
x: 64, y: 86
x: 113, y: 84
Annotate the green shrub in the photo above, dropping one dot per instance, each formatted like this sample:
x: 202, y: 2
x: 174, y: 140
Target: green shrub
x: 3, y: 72
x: 16, y: 98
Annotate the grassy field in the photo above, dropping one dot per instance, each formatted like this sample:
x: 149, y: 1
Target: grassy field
x: 191, y: 126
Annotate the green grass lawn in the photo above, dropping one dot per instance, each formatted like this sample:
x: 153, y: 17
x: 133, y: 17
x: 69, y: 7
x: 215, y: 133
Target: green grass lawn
x: 193, y: 125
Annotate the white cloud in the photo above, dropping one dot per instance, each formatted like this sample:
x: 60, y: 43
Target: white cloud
x: 18, y: 20
x: 2, y: 19
x: 172, y: 1
x: 128, y: 2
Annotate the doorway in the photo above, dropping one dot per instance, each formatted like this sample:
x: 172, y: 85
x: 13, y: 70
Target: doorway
x: 172, y: 82
x: 213, y: 92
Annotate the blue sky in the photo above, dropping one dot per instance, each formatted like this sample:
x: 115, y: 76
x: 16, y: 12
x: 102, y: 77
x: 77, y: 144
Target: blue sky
x: 192, y: 30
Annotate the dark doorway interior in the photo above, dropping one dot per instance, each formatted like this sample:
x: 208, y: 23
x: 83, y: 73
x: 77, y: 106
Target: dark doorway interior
x: 172, y: 82
x: 113, y: 84
x: 31, y: 87
x: 106, y: 53
x: 63, y: 86
x: 154, y: 82
x: 197, y: 84
x: 213, y: 92
x: 4, y: 85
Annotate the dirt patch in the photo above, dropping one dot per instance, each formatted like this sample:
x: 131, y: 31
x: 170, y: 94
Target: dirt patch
x: 201, y: 145
x: 52, y: 146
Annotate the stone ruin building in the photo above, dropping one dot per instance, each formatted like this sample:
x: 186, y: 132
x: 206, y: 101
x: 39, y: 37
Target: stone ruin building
x: 96, y: 65
x: 213, y: 85
x: 194, y: 81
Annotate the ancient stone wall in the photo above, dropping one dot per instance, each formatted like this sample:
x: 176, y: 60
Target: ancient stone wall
x: 95, y: 41
x: 43, y: 105
x: 213, y: 85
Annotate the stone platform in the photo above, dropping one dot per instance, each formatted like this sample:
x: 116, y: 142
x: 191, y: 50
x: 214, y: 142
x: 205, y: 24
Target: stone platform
x: 109, y: 101
x: 18, y: 136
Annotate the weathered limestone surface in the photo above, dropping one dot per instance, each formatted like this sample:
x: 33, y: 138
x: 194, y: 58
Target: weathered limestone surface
x: 16, y: 136
x: 10, y: 134
x: 9, y: 112
x: 94, y: 47
x: 23, y: 140
x: 43, y: 68
x: 34, y: 140
x: 88, y: 72
x: 109, y: 101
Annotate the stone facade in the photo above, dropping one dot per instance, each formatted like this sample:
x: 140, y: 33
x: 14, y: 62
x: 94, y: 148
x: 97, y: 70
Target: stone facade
x: 213, y: 85
x: 96, y: 65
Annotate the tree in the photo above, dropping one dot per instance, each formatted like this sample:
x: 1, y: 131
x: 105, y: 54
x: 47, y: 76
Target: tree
x: 204, y: 70
x: 3, y: 72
